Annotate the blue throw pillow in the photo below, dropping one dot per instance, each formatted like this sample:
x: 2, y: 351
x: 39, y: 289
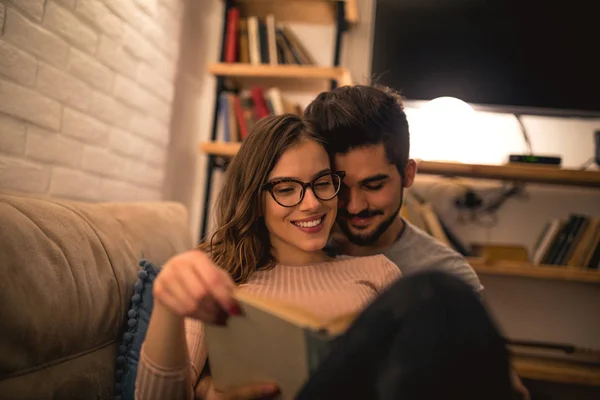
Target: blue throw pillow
x: 138, y: 317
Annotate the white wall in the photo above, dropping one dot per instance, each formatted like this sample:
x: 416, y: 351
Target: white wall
x: 193, y: 106
x: 86, y: 88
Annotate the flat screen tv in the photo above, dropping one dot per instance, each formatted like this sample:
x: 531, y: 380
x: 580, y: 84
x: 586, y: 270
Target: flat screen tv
x: 518, y: 56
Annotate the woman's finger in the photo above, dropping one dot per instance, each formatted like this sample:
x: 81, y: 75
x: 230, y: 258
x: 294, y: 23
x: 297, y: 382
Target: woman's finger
x: 175, y: 288
x: 218, y: 283
x: 167, y: 298
x: 252, y: 392
x: 209, y: 306
x: 218, y: 318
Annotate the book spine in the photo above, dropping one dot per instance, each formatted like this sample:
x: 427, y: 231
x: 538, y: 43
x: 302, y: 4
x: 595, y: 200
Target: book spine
x: 239, y: 113
x: 262, y: 110
x: 264, y: 42
x: 231, y: 39
x: 244, y: 56
x: 570, y: 239
x: 552, y: 254
x: 548, y: 236
x: 253, y: 40
x: 595, y: 260
x: 273, y: 55
x: 224, y: 110
x: 584, y: 244
x: 595, y: 243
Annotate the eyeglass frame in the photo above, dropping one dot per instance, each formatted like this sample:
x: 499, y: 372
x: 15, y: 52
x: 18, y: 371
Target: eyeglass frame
x: 269, y: 186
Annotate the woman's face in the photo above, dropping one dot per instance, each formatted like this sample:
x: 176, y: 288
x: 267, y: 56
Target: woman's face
x: 305, y: 227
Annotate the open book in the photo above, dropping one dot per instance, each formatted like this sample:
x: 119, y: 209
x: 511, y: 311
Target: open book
x: 271, y: 342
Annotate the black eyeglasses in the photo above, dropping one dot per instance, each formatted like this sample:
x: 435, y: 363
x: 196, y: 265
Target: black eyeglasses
x: 290, y: 192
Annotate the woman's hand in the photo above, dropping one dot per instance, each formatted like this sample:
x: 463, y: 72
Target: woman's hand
x: 250, y: 392
x: 191, y: 285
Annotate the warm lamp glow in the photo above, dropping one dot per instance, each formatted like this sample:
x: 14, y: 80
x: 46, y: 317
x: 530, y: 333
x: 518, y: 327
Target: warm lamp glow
x: 448, y: 107
x: 444, y: 130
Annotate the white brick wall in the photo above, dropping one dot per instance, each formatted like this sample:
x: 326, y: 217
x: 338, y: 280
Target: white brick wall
x: 86, y: 89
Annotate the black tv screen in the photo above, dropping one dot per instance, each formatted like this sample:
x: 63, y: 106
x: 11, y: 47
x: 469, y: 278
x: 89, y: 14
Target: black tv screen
x: 521, y: 56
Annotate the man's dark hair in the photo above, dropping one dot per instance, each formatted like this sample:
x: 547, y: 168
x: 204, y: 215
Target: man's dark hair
x: 351, y: 117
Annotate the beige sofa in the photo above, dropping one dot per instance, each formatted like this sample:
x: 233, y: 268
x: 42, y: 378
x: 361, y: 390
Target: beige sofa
x: 67, y: 272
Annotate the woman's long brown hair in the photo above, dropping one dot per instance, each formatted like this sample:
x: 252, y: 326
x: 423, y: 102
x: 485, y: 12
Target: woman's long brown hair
x: 240, y: 243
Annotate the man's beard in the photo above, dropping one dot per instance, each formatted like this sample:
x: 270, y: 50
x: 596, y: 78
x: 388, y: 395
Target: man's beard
x: 368, y: 239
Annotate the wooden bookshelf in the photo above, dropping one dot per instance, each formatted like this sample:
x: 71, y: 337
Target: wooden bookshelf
x: 539, y: 368
x: 544, y: 175
x: 523, y: 269
x: 321, y: 12
x: 514, y: 173
x: 287, y: 77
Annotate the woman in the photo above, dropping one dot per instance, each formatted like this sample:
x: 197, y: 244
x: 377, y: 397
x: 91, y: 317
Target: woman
x: 274, y: 216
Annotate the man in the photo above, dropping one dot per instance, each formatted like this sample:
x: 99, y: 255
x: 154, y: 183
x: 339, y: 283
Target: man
x: 368, y: 137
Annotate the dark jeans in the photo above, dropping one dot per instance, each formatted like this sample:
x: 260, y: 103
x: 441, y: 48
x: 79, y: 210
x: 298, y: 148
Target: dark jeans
x: 427, y: 337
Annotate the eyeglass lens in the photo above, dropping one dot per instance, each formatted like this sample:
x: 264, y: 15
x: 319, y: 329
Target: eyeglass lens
x: 290, y: 193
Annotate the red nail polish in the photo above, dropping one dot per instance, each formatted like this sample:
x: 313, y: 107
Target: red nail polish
x: 235, y: 310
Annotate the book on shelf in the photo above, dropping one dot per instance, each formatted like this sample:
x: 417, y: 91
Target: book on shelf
x: 240, y: 110
x: 254, y: 40
x: 271, y: 341
x: 573, y: 241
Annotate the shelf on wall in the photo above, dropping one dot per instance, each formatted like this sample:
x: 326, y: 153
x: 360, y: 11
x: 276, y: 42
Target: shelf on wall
x: 545, y: 175
x: 222, y: 149
x: 523, y: 269
x: 515, y: 173
x: 551, y: 370
x: 322, y: 12
x: 292, y: 77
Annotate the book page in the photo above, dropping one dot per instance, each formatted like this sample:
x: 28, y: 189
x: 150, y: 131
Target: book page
x: 258, y: 347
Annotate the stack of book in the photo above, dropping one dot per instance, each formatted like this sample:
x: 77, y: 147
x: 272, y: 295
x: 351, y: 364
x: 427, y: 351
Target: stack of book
x: 572, y: 241
x: 239, y: 111
x: 253, y: 40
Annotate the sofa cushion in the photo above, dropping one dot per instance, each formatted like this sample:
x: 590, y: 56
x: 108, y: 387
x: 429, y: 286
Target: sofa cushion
x: 68, y: 271
x: 136, y: 326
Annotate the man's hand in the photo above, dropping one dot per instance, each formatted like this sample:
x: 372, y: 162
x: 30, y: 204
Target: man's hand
x: 250, y: 392
x: 518, y: 385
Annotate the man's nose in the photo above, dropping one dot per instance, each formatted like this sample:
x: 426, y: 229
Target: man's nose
x: 355, y: 201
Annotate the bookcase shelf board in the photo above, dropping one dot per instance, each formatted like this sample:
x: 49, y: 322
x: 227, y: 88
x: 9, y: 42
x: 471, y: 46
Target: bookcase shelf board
x: 544, y: 175
x: 221, y: 149
x: 557, y: 371
x: 277, y: 71
x: 321, y: 12
x: 523, y: 269
x: 296, y: 77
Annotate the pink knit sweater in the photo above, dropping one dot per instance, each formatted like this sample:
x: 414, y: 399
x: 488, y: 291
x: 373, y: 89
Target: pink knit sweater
x: 329, y: 289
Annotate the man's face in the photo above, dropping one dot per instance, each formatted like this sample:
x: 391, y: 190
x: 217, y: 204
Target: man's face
x: 371, y: 194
